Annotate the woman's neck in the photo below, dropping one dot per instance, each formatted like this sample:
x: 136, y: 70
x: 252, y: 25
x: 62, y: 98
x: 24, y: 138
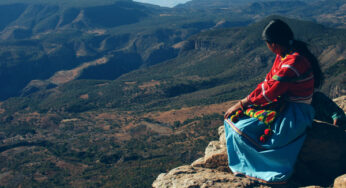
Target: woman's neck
x: 284, y: 51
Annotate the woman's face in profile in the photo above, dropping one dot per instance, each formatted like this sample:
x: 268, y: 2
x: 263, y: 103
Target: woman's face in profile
x: 276, y: 48
x: 271, y: 47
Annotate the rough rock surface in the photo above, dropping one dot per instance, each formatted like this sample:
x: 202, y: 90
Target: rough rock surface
x: 323, y: 156
x: 321, y: 163
x: 341, y: 102
x: 188, y: 176
x: 340, y: 182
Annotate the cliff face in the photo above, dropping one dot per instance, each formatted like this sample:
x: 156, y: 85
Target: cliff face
x: 321, y: 163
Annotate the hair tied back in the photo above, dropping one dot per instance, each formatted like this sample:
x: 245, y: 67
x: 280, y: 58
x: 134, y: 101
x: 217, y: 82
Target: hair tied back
x: 290, y: 42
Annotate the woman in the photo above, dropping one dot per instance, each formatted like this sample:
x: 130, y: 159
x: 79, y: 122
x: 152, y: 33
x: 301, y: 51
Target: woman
x: 266, y: 130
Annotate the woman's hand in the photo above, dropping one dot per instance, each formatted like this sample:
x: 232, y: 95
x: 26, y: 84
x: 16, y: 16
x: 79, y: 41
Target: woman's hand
x: 231, y: 110
x: 239, y: 105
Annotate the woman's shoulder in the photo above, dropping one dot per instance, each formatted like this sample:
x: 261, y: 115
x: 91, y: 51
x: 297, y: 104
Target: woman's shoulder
x: 297, y: 62
x: 294, y: 57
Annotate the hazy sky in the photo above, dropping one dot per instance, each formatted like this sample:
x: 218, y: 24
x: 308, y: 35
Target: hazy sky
x: 165, y: 3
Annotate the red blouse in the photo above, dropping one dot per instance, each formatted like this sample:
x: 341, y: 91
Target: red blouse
x: 290, y: 76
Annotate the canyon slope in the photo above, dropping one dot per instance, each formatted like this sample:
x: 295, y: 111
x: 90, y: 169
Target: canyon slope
x: 94, y: 102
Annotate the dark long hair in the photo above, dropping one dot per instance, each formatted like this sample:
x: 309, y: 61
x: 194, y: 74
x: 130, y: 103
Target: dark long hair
x: 302, y: 48
x: 280, y: 33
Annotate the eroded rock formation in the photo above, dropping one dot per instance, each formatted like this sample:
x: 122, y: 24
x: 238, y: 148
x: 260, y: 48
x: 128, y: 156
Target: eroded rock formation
x: 321, y: 163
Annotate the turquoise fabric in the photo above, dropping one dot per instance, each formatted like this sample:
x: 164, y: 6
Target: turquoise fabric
x: 272, y: 161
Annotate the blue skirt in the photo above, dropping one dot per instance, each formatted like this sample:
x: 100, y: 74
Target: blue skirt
x: 272, y: 161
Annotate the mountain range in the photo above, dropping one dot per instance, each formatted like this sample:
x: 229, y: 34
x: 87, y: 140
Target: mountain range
x: 84, y: 32
x: 112, y: 93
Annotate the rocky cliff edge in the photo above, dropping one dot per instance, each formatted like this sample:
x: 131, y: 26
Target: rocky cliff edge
x: 321, y: 163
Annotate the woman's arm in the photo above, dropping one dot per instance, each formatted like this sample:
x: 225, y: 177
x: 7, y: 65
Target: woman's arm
x: 239, y: 105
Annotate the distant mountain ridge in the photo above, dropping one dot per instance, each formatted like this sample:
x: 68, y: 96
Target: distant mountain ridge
x: 230, y: 3
x: 63, y: 35
x: 38, y: 18
x: 98, y: 132
x: 68, y: 3
x: 89, y: 99
x: 324, y: 11
x: 200, y: 73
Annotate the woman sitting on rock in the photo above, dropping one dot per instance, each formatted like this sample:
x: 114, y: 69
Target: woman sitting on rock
x: 265, y: 131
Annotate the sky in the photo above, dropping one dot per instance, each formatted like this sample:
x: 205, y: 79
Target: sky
x: 164, y: 3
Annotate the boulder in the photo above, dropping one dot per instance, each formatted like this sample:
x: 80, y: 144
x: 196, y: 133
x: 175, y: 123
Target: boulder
x: 340, y: 182
x: 341, y: 102
x: 191, y: 177
x: 322, y: 157
x: 321, y: 160
x: 215, y: 155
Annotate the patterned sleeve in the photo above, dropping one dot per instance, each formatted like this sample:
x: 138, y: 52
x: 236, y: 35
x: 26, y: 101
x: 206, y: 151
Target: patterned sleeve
x: 269, y: 90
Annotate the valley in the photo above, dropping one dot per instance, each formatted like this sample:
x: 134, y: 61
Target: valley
x: 90, y: 99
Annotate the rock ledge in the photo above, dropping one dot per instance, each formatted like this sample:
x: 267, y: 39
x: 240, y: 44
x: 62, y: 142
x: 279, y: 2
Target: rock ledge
x: 321, y: 163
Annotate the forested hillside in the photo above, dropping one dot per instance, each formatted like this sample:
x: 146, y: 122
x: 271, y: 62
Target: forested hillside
x: 92, y: 100
x: 87, y: 132
x: 41, y: 38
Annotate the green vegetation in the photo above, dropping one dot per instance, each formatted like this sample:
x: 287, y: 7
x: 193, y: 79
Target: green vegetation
x: 102, y: 128
x: 336, y: 69
x: 54, y: 38
x: 223, y: 65
x: 89, y: 160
